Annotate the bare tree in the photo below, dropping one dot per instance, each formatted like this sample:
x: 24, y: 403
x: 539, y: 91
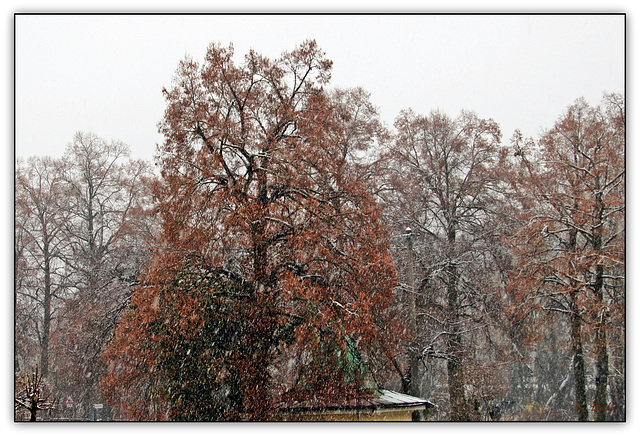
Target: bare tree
x: 444, y: 179
x: 108, y: 204
x: 33, y: 394
x: 40, y: 245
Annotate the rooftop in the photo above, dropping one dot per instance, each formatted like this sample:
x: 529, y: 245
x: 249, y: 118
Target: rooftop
x: 371, y: 400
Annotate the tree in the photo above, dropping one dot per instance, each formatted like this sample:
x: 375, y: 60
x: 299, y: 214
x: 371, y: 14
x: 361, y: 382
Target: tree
x: 445, y: 187
x: 263, y: 218
x: 571, y: 246
x: 33, y: 394
x: 40, y: 273
x: 106, y: 198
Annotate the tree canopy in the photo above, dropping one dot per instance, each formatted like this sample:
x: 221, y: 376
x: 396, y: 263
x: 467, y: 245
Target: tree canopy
x: 259, y: 186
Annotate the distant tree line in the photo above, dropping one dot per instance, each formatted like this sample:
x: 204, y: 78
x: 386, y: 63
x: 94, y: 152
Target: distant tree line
x: 289, y: 249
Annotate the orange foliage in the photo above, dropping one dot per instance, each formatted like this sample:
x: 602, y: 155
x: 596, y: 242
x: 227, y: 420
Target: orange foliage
x: 258, y: 192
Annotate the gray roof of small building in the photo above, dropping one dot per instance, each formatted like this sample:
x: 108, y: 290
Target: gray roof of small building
x: 392, y: 398
x: 382, y: 399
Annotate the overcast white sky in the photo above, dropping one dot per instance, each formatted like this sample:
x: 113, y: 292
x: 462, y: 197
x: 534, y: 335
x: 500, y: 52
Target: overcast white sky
x: 105, y: 73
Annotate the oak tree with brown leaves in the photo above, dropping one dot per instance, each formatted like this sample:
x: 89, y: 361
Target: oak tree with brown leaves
x: 272, y: 282
x: 570, y: 248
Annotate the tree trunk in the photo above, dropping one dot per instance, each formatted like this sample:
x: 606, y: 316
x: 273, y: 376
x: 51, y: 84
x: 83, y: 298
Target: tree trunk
x: 459, y: 411
x: 263, y: 332
x: 46, y: 322
x: 577, y: 351
x: 618, y: 387
x: 413, y: 380
x: 578, y: 363
x: 455, y: 369
x: 602, y: 354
